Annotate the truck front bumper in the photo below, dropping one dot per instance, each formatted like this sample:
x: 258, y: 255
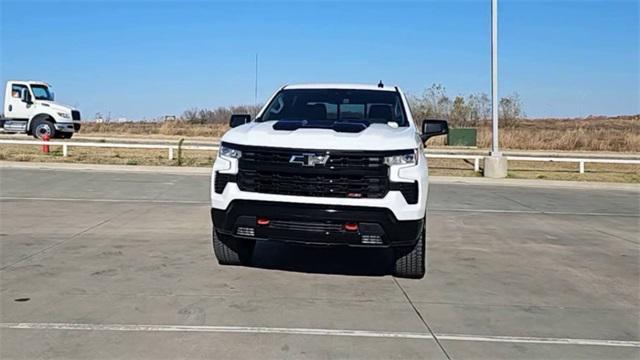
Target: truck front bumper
x: 67, y: 127
x: 315, y: 224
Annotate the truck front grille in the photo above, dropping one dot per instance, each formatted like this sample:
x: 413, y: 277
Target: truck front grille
x: 346, y: 174
x: 75, y: 115
x: 305, y: 226
x: 329, y: 185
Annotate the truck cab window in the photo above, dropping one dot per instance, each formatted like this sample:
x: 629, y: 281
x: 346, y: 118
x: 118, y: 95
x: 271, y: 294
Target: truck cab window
x: 333, y: 105
x: 41, y: 92
x: 17, y: 91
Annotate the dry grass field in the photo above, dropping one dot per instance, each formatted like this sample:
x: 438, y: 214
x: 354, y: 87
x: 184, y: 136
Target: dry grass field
x: 617, y: 134
x: 174, y: 128
x: 598, y: 134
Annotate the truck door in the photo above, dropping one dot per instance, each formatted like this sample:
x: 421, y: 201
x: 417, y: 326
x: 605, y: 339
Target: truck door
x: 16, y: 108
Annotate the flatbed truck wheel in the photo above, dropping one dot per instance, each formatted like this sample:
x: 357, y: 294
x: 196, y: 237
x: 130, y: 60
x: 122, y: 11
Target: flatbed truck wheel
x: 42, y: 127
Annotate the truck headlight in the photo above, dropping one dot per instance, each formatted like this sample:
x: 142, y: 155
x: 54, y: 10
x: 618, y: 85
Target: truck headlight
x: 408, y: 158
x: 64, y: 115
x: 229, y: 153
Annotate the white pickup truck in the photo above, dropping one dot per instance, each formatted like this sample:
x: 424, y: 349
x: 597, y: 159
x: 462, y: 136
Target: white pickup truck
x: 325, y: 164
x: 29, y: 108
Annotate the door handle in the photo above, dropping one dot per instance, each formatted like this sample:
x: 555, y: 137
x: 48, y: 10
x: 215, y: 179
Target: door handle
x: 10, y: 107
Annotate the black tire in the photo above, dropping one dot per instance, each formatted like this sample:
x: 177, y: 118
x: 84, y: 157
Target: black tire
x: 40, y: 127
x: 411, y: 261
x: 231, y: 251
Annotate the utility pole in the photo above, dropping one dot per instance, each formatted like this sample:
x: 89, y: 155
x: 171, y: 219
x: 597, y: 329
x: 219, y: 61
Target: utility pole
x: 495, y: 165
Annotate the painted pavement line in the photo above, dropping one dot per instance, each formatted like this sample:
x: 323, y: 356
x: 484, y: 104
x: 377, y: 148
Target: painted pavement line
x: 316, y: 332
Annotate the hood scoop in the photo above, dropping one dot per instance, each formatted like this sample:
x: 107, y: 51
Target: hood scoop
x: 354, y: 126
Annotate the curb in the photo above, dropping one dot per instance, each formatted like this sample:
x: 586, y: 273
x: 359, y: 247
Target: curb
x: 174, y: 170
x: 583, y: 185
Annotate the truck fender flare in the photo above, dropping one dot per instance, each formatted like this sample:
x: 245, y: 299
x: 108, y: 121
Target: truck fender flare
x: 37, y: 117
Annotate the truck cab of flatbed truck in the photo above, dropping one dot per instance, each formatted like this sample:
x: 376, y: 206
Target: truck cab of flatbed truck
x: 29, y: 108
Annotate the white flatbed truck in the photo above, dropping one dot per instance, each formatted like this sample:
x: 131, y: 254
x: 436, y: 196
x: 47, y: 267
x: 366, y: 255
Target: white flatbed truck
x: 29, y: 108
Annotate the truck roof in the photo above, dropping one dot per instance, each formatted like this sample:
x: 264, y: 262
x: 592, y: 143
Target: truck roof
x: 341, y: 86
x: 30, y: 82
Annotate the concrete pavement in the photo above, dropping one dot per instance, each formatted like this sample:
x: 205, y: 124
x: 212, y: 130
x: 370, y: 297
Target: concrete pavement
x: 119, y: 265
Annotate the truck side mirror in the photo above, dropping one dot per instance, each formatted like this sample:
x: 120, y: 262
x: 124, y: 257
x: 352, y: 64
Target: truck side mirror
x: 431, y: 128
x: 26, y: 97
x: 239, y: 119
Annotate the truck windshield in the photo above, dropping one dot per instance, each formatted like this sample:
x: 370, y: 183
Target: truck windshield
x: 333, y: 105
x: 41, y: 92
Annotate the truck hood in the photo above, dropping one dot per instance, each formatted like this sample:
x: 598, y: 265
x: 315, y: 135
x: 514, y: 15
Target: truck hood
x: 55, y: 106
x: 374, y: 137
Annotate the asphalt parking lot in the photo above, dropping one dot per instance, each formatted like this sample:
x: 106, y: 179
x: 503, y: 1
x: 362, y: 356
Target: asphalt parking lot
x: 119, y: 265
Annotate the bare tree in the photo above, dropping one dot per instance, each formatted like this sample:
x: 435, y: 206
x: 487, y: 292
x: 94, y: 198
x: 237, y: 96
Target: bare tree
x: 460, y: 113
x: 190, y: 115
x: 464, y: 112
x: 217, y: 115
x: 479, y: 108
x: 433, y: 103
x: 510, y: 110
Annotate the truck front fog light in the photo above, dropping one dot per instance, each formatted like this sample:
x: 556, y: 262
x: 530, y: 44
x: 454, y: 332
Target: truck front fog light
x: 372, y: 239
x: 246, y: 231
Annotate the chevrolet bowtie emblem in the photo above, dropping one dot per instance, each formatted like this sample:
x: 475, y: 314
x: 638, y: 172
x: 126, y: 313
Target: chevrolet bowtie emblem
x: 309, y: 159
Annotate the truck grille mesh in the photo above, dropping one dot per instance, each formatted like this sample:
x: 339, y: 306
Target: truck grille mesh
x: 346, y: 174
x: 305, y: 226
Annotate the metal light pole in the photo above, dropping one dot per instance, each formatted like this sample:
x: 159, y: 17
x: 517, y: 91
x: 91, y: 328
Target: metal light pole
x: 495, y: 165
x: 495, y: 151
x: 255, y: 93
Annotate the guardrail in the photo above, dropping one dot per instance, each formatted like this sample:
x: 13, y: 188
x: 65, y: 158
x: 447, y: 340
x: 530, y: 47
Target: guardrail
x: 170, y: 148
x: 67, y: 144
x: 580, y: 161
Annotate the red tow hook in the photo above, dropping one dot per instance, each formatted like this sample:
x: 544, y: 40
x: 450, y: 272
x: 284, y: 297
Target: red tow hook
x: 262, y: 221
x: 351, y: 226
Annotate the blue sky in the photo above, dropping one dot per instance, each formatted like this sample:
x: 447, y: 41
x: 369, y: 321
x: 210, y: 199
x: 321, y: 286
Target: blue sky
x: 147, y: 59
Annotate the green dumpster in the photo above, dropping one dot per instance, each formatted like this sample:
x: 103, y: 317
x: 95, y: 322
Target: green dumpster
x: 462, y: 137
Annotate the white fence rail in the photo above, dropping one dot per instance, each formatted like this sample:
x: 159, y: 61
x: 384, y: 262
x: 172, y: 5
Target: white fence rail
x: 67, y: 144
x: 476, y: 158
